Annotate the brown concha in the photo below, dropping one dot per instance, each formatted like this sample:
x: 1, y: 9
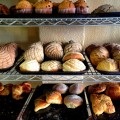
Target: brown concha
x: 35, y: 52
x: 7, y: 55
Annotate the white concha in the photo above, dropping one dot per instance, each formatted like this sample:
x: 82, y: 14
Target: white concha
x: 35, y: 52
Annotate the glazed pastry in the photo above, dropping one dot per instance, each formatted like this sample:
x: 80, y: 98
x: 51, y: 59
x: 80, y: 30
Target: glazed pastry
x: 108, y: 65
x: 43, y: 7
x: 73, y: 55
x: 76, y: 88
x: 24, y: 7
x: 53, y: 97
x: 101, y: 103
x: 73, y: 101
x: 72, y: 47
x: 54, y: 51
x: 97, y: 88
x: 7, y: 55
x: 4, y: 10
x: 35, y: 52
x: 40, y: 103
x: 27, y: 87
x: 51, y: 65
x: 81, y: 7
x: 73, y: 65
x: 60, y: 87
x: 30, y: 66
x: 66, y: 7
x: 98, y: 55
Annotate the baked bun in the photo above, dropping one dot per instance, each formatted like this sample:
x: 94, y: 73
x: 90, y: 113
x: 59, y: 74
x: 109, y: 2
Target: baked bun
x: 34, y: 52
x: 54, y: 97
x: 60, y: 87
x: 73, y: 101
x: 30, y: 65
x: 73, y: 55
x: 76, y: 88
x: 97, y: 88
x: 116, y: 54
x: 73, y: 65
x: 4, y: 9
x: 1, y: 87
x: 51, y: 65
x: 40, y: 103
x: 54, y: 51
x: 98, y: 55
x: 72, y: 47
x: 109, y: 65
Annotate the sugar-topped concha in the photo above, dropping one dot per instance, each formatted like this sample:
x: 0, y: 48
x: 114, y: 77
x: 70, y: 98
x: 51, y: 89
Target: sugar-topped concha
x: 72, y: 47
x: 35, y: 52
x: 54, y: 50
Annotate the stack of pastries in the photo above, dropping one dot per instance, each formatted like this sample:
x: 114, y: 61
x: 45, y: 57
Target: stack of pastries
x: 53, y: 57
x: 105, y: 57
x: 55, y: 96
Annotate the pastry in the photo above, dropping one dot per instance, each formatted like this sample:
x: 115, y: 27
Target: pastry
x: 1, y: 87
x: 73, y: 55
x: 34, y: 52
x: 27, y: 87
x: 7, y: 55
x: 4, y: 9
x: 76, y: 88
x: 43, y: 7
x: 24, y: 7
x: 60, y: 87
x: 66, y: 7
x: 30, y: 66
x: 54, y: 51
x: 101, y: 103
x: 53, y: 97
x: 98, y: 55
x: 116, y: 54
x: 73, y: 101
x: 97, y: 88
x: 109, y: 65
x: 51, y: 65
x: 81, y: 7
x: 73, y: 65
x: 72, y: 47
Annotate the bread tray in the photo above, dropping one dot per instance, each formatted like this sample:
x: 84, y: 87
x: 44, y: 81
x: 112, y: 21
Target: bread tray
x: 54, y: 112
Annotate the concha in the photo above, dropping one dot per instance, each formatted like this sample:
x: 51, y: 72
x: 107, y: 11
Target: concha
x: 54, y: 51
x: 34, y: 52
x: 7, y: 55
x: 72, y: 47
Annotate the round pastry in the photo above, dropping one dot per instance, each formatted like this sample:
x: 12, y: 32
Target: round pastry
x: 73, y: 65
x: 4, y: 10
x: 24, y: 7
x: 60, y: 87
x: 51, y: 65
x: 30, y: 65
x: 54, y: 51
x: 76, y: 88
x: 73, y: 101
x: 66, y: 7
x: 34, y: 52
x: 53, y: 97
x: 81, y: 7
x: 108, y: 65
x: 43, y: 7
x: 97, y: 88
x: 98, y: 55
x: 73, y: 55
x: 72, y: 47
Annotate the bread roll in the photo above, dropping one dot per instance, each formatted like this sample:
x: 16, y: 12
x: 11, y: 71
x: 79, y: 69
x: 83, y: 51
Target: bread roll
x: 73, y: 65
x: 54, y: 97
x: 109, y: 65
x: 51, y: 65
x: 73, y: 55
x: 116, y: 54
x: 30, y: 65
x: 76, y: 88
x: 98, y: 55
x: 73, y: 101
x: 60, y: 87
x: 54, y: 51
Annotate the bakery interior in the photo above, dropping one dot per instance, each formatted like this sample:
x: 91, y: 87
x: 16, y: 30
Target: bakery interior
x: 98, y: 86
